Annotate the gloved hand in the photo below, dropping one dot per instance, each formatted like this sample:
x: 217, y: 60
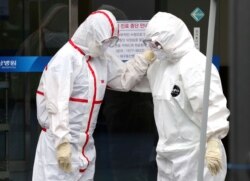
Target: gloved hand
x: 149, y: 56
x: 63, y: 154
x: 213, y: 156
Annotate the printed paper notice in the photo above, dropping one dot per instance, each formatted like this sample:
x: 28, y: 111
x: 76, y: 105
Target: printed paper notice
x: 131, y: 35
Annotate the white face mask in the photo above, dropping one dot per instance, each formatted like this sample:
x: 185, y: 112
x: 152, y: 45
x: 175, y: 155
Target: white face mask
x: 160, y: 54
x: 104, y: 47
x: 97, y: 50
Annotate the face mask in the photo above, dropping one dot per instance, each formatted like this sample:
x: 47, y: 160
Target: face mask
x: 96, y: 49
x: 160, y: 54
x: 104, y: 47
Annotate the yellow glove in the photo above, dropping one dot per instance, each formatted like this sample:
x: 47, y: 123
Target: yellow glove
x: 213, y: 156
x: 149, y: 56
x: 63, y: 154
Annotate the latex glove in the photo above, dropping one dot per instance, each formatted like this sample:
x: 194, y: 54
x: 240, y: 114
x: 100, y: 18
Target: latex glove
x: 213, y: 156
x: 149, y: 56
x: 63, y: 154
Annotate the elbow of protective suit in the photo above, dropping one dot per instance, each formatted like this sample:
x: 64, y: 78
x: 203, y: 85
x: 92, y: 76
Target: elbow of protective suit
x: 134, y: 70
x: 51, y: 107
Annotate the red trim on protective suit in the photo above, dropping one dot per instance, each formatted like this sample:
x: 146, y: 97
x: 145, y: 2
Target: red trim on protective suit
x: 40, y: 93
x: 78, y: 100
x: 94, y: 101
x: 92, y: 106
x: 109, y: 19
x: 76, y: 47
x: 73, y: 99
x: 82, y: 170
x: 98, y: 102
x: 90, y: 114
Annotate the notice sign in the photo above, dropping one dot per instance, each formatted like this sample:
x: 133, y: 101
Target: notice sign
x: 131, y: 35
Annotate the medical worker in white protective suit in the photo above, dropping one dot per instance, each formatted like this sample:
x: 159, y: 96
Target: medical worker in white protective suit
x: 69, y: 96
x: 177, y: 81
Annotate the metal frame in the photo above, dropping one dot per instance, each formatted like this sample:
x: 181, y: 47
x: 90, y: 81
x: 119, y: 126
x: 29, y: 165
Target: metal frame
x: 4, y: 127
x: 73, y: 16
x: 210, y: 44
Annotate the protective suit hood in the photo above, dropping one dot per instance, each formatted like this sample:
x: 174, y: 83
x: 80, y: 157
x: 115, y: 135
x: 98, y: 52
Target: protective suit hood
x: 172, y: 33
x: 99, y: 25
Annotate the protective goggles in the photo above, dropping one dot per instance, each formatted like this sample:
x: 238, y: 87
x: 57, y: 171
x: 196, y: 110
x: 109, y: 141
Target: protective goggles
x: 154, y: 45
x: 111, y: 42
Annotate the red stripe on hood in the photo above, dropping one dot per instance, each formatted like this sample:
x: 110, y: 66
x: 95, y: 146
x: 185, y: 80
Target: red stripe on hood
x: 109, y: 19
x: 76, y: 47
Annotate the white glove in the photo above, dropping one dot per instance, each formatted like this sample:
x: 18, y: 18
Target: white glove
x: 63, y: 154
x: 149, y: 56
x: 213, y: 156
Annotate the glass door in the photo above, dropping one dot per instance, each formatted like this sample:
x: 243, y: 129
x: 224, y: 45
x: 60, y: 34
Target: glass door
x: 30, y: 30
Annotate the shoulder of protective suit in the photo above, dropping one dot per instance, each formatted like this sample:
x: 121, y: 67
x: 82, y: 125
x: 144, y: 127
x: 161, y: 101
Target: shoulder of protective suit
x: 191, y: 62
x: 63, y: 60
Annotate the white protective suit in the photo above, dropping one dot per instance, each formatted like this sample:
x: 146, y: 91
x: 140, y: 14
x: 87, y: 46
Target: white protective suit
x: 70, y: 93
x: 177, y: 84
